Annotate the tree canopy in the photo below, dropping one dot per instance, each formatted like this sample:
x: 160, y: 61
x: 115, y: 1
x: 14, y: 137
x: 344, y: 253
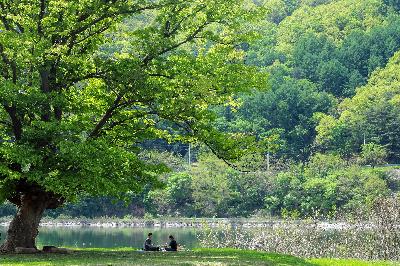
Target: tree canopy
x: 84, y: 83
x: 373, y: 114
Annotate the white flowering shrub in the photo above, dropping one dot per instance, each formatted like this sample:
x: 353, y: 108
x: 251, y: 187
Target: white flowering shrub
x: 377, y: 237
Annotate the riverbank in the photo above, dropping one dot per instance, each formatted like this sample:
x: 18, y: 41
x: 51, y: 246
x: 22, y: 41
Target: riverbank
x: 179, y: 222
x: 197, y: 257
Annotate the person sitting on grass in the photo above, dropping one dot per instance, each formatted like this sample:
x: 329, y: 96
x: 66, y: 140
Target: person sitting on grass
x: 172, y: 246
x: 148, y: 246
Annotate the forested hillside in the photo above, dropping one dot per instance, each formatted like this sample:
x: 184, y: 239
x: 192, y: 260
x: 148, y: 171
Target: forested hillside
x: 326, y: 113
x: 317, y: 54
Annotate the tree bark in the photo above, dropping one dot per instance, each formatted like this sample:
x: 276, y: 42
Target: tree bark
x: 24, y: 227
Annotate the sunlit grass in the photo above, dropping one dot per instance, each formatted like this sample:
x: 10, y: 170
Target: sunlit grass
x: 214, y: 257
x: 350, y: 262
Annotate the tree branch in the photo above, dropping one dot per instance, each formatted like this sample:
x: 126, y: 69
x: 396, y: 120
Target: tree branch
x: 16, y: 122
x: 189, y: 38
x: 179, y: 23
x: 223, y: 159
x: 3, y: 19
x: 108, y: 114
x: 9, y: 63
x: 161, y: 75
x: 104, y: 16
x: 41, y: 16
x: 70, y: 82
x: 5, y: 123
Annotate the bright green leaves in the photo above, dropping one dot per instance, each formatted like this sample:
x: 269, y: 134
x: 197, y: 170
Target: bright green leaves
x: 83, y: 91
x: 371, y: 115
x: 16, y: 163
x: 373, y: 154
x: 96, y: 168
x: 190, y: 22
x: 324, y: 185
x: 335, y: 20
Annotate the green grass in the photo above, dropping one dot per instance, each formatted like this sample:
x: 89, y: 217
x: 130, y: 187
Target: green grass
x: 215, y: 257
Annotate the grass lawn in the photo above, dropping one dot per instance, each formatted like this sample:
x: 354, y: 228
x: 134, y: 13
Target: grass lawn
x: 215, y: 257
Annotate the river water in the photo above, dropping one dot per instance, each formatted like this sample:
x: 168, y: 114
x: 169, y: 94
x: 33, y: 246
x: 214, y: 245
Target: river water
x: 109, y: 237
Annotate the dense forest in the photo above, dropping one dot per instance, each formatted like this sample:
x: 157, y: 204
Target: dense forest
x: 327, y: 116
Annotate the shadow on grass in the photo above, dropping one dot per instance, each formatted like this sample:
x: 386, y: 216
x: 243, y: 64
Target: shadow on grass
x: 131, y: 257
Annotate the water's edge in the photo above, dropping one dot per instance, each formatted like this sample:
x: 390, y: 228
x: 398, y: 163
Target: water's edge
x: 189, y: 223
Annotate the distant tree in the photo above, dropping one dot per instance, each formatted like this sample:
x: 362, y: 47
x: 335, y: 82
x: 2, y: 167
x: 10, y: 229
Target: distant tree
x: 395, y: 4
x: 210, y: 185
x: 373, y: 154
x: 288, y: 109
x: 309, y: 51
x: 175, y: 199
x: 332, y: 77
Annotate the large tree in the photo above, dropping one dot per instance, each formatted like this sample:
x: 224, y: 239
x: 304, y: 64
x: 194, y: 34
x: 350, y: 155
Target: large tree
x: 83, y: 83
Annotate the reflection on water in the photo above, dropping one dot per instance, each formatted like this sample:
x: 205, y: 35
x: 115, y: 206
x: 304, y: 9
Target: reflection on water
x: 109, y: 237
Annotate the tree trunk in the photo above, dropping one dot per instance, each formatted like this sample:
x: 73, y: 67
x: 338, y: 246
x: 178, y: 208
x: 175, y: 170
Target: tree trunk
x: 24, y: 227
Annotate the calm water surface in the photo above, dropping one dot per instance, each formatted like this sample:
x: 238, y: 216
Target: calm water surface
x: 109, y: 237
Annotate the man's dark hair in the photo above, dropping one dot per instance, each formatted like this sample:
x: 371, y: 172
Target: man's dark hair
x: 149, y: 234
x: 171, y: 237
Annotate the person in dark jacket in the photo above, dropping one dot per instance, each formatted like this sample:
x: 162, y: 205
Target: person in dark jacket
x: 172, y: 246
x: 148, y: 246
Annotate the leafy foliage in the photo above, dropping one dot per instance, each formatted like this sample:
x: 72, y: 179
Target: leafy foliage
x: 373, y: 154
x: 330, y: 48
x: 372, y: 113
x: 323, y: 186
x: 76, y: 104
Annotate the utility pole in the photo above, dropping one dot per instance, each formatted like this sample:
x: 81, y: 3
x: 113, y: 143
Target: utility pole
x: 189, y: 155
x: 364, y: 139
x: 267, y: 161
